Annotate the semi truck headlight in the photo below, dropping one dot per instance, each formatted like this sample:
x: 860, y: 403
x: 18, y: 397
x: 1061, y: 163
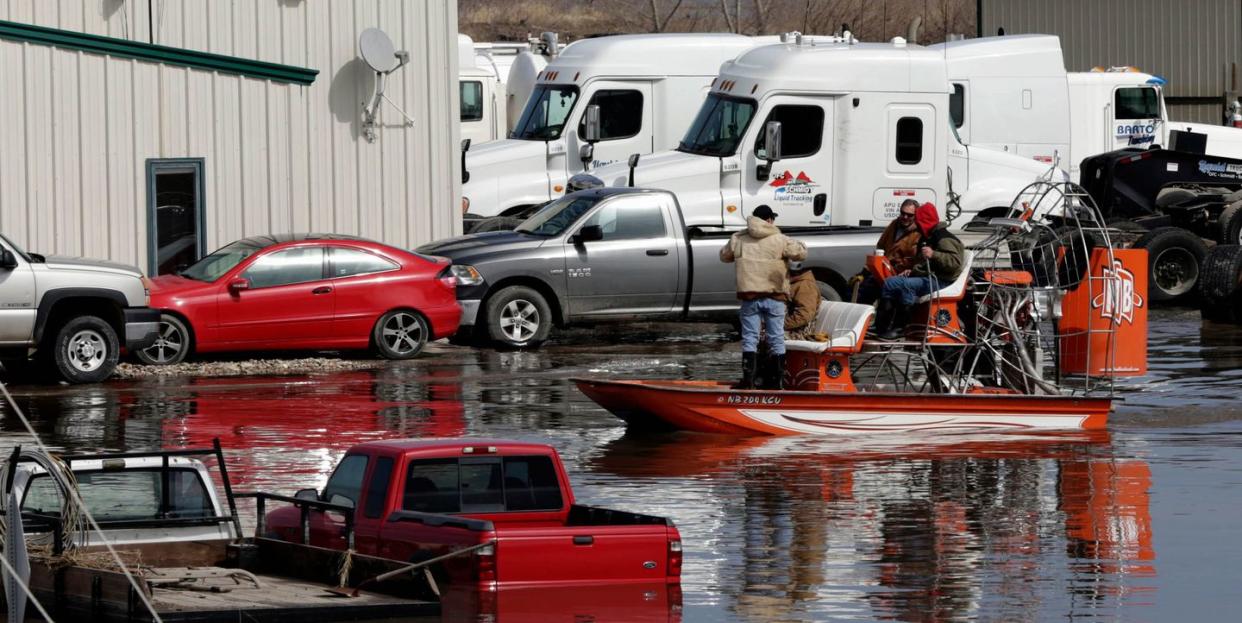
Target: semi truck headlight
x: 466, y: 275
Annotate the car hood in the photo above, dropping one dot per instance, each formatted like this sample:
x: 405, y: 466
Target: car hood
x: 172, y: 285
x: 462, y: 249
x: 63, y: 262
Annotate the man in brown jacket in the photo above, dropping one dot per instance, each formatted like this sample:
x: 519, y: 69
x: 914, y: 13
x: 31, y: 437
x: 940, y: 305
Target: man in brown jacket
x: 900, y: 243
x: 760, y: 252
x: 804, y: 300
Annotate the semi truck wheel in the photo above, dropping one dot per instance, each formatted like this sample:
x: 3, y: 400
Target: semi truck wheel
x: 1229, y: 224
x: 518, y: 317
x: 1219, y: 291
x: 84, y: 350
x: 1173, y: 196
x: 1174, y: 257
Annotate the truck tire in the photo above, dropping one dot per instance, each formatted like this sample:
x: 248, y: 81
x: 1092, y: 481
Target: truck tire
x: 399, y: 334
x: 1174, y: 258
x: 84, y: 350
x: 1229, y: 224
x: 518, y: 317
x: 1173, y: 196
x: 1219, y: 291
x: 828, y: 292
x: 172, y: 346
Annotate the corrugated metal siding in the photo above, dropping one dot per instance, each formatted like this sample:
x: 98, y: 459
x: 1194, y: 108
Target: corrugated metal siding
x: 77, y: 128
x: 1194, y: 44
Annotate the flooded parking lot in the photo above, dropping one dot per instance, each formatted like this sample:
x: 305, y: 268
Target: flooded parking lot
x: 1133, y: 523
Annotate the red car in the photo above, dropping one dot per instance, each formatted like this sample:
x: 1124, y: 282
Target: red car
x: 304, y: 292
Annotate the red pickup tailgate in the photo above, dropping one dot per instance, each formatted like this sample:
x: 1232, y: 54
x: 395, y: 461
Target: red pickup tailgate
x: 581, y: 555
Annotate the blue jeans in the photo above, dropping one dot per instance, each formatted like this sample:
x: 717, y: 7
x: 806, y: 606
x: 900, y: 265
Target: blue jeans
x: 772, y: 313
x: 907, y: 290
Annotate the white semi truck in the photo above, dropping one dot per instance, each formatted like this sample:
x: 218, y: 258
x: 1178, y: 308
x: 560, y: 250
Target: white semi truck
x: 828, y: 134
x: 643, y: 89
x: 495, y: 80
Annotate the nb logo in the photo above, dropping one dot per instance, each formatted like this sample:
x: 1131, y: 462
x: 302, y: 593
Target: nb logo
x: 1119, y: 298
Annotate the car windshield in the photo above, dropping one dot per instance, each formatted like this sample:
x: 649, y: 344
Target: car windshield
x: 16, y: 249
x: 557, y: 216
x: 718, y: 127
x: 546, y: 112
x: 222, y: 261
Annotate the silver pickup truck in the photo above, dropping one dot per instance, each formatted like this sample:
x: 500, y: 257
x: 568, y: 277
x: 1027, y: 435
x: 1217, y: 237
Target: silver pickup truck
x: 615, y: 254
x: 75, y: 314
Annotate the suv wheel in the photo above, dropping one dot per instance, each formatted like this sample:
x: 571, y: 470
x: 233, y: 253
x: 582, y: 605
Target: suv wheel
x: 85, y: 350
x: 172, y: 345
x: 518, y: 317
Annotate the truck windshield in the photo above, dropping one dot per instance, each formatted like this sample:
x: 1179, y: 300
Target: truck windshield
x: 546, y: 112
x: 719, y: 126
x: 222, y: 261
x: 557, y: 216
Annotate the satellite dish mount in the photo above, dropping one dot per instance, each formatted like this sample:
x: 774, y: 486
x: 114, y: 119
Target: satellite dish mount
x: 377, y: 51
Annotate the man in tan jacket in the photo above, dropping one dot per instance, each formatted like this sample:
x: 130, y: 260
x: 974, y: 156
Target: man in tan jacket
x: 760, y: 252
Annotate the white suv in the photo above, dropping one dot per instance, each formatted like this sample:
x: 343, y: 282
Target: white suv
x: 70, y: 313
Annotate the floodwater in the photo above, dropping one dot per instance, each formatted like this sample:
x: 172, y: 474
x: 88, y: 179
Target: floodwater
x: 1138, y: 523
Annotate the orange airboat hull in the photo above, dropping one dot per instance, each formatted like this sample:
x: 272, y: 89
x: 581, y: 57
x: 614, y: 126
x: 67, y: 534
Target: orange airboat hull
x: 712, y: 407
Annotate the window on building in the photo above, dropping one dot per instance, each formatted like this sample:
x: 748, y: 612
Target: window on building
x: 909, y: 140
x: 620, y: 114
x: 471, y: 100
x: 174, y: 214
x: 296, y: 265
x: 1137, y: 103
x: 802, y: 130
x: 957, y: 105
x: 350, y: 262
x: 629, y: 220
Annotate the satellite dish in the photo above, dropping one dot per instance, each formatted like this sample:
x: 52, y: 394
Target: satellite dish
x: 377, y: 50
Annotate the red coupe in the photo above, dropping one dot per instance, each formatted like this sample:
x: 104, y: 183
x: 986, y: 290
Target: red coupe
x: 304, y: 292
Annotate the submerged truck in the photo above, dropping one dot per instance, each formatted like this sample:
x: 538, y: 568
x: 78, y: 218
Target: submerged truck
x: 828, y: 133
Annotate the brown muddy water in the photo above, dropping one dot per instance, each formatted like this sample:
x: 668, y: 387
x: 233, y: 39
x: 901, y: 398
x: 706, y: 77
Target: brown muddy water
x: 1138, y: 523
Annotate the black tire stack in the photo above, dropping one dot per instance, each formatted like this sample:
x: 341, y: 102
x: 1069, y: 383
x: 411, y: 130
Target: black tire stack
x: 1220, y: 293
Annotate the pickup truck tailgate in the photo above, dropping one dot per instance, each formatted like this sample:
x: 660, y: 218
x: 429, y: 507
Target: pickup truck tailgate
x: 581, y: 554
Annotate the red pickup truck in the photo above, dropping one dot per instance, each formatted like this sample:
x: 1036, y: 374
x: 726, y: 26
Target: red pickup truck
x: 418, y: 499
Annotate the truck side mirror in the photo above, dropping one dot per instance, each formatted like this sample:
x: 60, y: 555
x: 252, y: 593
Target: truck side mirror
x: 341, y: 500
x: 8, y: 261
x: 590, y: 233
x: 771, y: 150
x: 465, y: 147
x: 590, y: 124
x: 633, y: 165
x: 586, y: 153
x: 307, y: 494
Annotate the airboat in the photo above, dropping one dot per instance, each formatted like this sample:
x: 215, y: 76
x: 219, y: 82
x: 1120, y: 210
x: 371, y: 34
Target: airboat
x: 1043, y: 318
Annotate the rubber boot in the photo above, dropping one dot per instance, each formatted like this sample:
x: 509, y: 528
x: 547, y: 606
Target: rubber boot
x: 883, y: 318
x: 899, y: 318
x: 749, y: 363
x: 774, y: 377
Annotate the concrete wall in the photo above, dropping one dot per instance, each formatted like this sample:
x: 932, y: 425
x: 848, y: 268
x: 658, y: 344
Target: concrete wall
x: 77, y: 128
x: 1194, y: 44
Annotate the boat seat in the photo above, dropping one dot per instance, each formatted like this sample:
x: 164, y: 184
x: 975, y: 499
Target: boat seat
x: 845, y: 324
x: 956, y: 290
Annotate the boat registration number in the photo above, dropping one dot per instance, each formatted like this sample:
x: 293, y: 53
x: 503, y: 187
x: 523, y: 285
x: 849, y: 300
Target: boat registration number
x: 735, y: 399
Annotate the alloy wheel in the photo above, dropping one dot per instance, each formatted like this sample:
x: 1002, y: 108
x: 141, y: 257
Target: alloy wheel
x: 519, y: 320
x: 402, y: 333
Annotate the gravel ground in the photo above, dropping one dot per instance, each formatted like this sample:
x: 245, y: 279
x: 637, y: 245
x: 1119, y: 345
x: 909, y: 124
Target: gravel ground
x: 246, y: 367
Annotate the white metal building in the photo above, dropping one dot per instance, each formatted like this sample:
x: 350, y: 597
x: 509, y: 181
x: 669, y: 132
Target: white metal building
x: 151, y: 132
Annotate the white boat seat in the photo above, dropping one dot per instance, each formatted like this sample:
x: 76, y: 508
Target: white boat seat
x: 954, y: 291
x: 845, y: 324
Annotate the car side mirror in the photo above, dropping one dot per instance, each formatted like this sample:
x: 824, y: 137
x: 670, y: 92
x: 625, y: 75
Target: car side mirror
x: 8, y: 261
x: 237, y: 285
x: 586, y: 153
x: 341, y: 500
x: 465, y: 147
x: 590, y: 233
x: 590, y: 124
x: 307, y: 494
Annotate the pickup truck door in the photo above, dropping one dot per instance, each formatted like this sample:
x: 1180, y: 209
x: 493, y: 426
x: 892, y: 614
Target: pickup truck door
x: 805, y: 168
x: 636, y: 268
x: 625, y: 120
x: 17, y: 301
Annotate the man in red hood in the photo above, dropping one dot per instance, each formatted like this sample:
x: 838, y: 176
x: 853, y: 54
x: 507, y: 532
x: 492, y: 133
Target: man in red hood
x: 937, y: 264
